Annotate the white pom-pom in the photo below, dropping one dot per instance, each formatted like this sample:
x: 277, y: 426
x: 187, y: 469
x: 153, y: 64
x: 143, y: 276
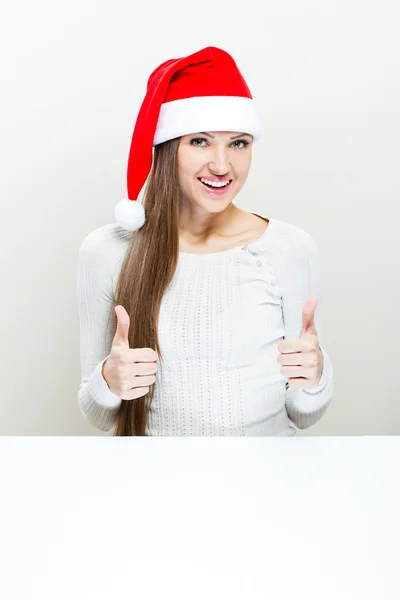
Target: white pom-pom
x: 130, y: 214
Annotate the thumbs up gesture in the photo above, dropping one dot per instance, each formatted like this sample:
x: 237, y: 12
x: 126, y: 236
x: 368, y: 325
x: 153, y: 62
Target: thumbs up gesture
x: 128, y: 371
x: 302, y: 359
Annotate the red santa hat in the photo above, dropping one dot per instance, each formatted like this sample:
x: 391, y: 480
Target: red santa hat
x: 204, y: 91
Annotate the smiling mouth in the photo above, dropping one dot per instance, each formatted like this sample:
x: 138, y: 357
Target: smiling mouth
x: 215, y: 190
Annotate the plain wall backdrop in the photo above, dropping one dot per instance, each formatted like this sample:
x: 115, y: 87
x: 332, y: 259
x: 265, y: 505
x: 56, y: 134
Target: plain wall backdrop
x: 326, y: 78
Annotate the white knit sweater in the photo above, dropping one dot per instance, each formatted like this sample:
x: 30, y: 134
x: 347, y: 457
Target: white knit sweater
x: 221, y: 320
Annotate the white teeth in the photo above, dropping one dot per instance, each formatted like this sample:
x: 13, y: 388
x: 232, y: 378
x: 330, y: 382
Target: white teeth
x: 214, y: 183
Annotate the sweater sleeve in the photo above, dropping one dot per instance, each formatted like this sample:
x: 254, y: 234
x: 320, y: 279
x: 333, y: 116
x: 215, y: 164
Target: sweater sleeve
x: 96, y: 266
x: 302, y: 280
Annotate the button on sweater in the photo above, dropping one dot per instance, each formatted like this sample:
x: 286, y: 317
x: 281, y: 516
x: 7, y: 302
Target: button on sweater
x: 221, y: 320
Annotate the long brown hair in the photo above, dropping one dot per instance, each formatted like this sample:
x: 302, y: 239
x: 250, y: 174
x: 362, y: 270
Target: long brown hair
x: 146, y: 271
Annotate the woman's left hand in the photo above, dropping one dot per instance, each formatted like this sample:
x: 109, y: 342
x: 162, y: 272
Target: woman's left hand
x: 302, y: 359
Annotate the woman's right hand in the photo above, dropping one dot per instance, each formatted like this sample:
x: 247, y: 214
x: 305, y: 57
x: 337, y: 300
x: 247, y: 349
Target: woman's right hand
x: 128, y: 371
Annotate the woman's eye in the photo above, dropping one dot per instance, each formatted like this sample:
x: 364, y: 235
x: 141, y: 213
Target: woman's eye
x: 241, y: 142
x: 245, y: 142
x: 197, y: 140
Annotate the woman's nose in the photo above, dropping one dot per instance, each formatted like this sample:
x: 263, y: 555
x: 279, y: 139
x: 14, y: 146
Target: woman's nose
x: 220, y: 162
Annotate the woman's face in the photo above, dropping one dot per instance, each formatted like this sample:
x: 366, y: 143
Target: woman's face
x: 215, y: 156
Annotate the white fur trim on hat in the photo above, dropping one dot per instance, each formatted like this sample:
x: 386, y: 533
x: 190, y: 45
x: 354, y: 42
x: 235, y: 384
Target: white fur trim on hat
x: 130, y: 214
x: 207, y: 113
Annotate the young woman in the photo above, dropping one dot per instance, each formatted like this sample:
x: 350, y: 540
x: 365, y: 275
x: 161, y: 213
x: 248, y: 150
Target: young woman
x: 197, y: 317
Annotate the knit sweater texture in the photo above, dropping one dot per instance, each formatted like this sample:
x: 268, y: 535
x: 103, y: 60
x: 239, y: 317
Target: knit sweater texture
x: 221, y: 320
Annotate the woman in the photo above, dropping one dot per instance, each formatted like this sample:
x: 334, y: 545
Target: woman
x: 197, y: 317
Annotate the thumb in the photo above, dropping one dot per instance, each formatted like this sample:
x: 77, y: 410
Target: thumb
x: 308, y: 315
x: 123, y: 322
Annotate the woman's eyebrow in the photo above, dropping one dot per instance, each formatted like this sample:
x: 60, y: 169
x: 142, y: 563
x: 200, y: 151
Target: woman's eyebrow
x: 232, y: 138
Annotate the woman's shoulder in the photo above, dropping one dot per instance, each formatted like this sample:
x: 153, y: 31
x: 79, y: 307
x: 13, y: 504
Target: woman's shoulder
x: 288, y: 235
x: 104, y: 247
x: 110, y: 238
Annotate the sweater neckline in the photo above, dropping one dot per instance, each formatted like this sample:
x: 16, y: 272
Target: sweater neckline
x: 235, y: 249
